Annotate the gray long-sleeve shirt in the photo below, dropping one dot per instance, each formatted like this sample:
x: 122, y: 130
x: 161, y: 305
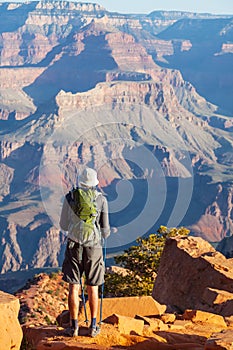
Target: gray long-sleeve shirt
x: 102, y: 219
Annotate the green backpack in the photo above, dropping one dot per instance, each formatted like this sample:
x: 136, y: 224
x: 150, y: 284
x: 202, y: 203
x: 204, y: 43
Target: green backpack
x: 83, y: 227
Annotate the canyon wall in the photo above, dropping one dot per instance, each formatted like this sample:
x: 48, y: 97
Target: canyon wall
x: 82, y: 86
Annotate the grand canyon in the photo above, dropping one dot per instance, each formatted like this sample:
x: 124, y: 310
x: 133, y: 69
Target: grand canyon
x: 145, y: 99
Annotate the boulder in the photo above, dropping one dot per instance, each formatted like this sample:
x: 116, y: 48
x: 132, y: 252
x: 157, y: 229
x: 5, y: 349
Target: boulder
x: 10, y: 333
x: 127, y: 306
x: 188, y: 267
x: 126, y: 325
x: 130, y: 306
x: 63, y: 319
x: 181, y: 324
x: 168, y: 318
x: 229, y: 321
x: 152, y: 324
x: 220, y: 301
x: 220, y: 341
x: 197, y: 316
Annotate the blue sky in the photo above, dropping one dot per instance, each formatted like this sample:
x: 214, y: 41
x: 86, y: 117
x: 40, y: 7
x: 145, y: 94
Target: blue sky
x: 147, y: 6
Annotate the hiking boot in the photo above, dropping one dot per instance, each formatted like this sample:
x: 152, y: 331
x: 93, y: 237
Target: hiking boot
x: 93, y: 332
x: 71, y: 332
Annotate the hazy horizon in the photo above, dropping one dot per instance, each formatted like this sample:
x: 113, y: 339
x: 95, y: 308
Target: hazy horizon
x: 147, y: 6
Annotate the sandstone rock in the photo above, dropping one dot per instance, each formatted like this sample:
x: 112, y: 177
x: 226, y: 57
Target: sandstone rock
x: 180, y: 324
x: 153, y: 345
x: 131, y: 306
x: 182, y: 334
x: 229, y: 321
x: 168, y: 318
x: 127, y: 306
x: 52, y: 337
x: 172, y: 342
x: 126, y: 325
x: 220, y: 301
x: 190, y: 265
x: 220, y: 341
x: 11, y: 333
x: 63, y: 319
x: 217, y: 296
x: 155, y: 324
x: 204, y: 317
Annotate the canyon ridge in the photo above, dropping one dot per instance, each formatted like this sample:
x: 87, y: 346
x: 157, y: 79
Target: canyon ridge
x: 145, y: 99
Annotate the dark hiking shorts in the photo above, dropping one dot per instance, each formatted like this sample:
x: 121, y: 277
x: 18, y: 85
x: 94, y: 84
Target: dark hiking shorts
x: 79, y: 259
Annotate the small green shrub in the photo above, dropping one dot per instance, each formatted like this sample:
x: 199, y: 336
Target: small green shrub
x: 49, y: 291
x: 47, y: 320
x: 142, y: 263
x: 53, y: 275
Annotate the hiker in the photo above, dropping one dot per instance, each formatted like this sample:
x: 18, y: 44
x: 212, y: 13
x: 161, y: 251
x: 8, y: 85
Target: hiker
x: 84, y: 251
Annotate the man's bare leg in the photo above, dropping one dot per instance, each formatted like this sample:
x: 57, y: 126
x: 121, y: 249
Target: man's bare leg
x: 92, y: 292
x: 93, y: 297
x: 73, y: 303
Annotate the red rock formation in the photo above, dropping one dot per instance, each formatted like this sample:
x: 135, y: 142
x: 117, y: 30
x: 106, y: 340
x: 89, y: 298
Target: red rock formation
x: 221, y: 340
x: 163, y: 48
x: 129, y: 55
x: 11, y: 333
x: 188, y: 268
x: 126, y: 325
x: 217, y: 219
x: 197, y: 316
x: 13, y: 99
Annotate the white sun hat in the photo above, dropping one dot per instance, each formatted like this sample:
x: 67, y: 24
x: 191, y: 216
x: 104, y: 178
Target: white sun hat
x: 88, y: 178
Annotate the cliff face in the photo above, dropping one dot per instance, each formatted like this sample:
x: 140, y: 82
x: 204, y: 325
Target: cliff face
x: 209, y: 51
x: 196, y: 309
x: 81, y: 86
x: 206, y: 274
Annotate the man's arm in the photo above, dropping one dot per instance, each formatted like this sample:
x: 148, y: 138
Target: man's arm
x: 64, y: 219
x: 104, y: 219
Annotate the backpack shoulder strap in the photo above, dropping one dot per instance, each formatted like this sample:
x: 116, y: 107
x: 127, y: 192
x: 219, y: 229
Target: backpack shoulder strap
x: 71, y: 199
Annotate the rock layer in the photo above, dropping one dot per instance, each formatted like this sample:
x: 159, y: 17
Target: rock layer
x: 11, y: 333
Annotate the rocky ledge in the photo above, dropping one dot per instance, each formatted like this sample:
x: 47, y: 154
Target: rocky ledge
x: 193, y: 330
x: 204, y: 321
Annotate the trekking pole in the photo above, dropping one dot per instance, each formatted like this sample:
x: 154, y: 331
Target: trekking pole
x: 84, y: 302
x: 102, y: 286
